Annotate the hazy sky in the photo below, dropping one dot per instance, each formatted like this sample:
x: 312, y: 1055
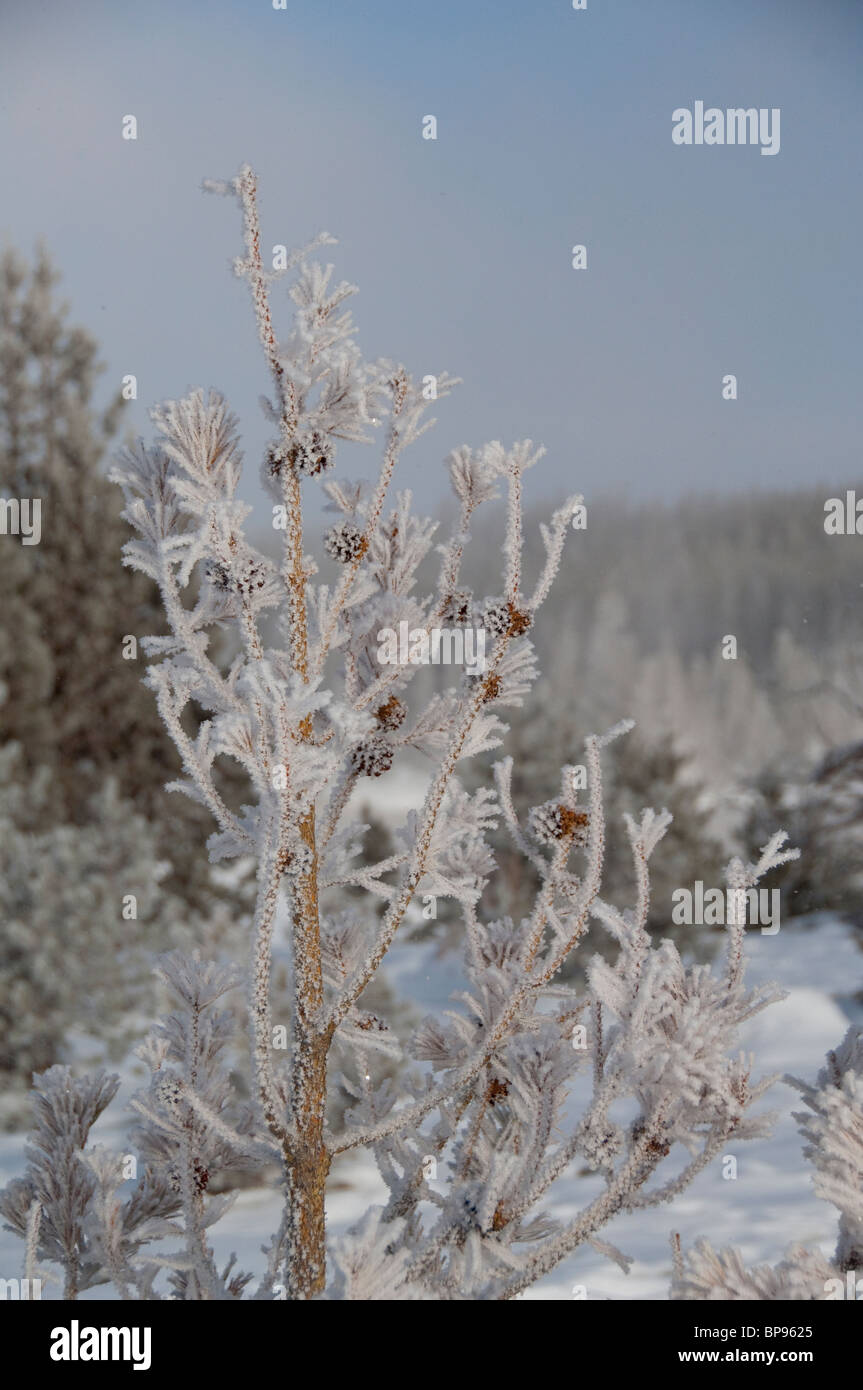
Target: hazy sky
x: 554, y: 128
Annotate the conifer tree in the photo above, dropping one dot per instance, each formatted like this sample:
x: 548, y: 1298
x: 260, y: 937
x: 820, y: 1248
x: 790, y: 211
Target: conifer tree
x: 472, y: 1134
x: 69, y: 699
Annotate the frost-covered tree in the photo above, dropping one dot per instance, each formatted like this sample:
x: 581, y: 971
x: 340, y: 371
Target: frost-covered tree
x: 470, y: 1135
x: 68, y: 1206
x: 832, y: 1126
x: 85, y: 823
x: 821, y: 805
x: 69, y: 695
x: 71, y: 701
x: 83, y: 909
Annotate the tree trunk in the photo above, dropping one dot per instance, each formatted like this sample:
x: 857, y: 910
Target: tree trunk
x: 310, y: 1160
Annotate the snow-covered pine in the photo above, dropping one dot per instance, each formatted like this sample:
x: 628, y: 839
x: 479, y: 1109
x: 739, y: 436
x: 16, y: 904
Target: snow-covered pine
x: 100, y: 880
x: 69, y: 689
x: 833, y: 1128
x: 191, y: 1130
x: 481, y: 1101
x: 66, y: 1206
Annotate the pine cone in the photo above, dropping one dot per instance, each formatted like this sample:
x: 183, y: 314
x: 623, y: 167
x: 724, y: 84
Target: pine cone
x: 552, y: 822
x: 250, y: 576
x: 374, y: 757
x: 219, y: 576
x: 391, y: 714
x: 245, y: 578
x: 344, y: 542
x: 313, y: 453
x: 502, y: 618
x: 169, y: 1091
x: 495, y: 617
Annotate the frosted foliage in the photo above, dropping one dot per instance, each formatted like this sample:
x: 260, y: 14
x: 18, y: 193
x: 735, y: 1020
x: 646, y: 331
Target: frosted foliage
x: 832, y: 1126
x: 192, y: 1128
x: 69, y: 686
x: 100, y: 881
x: 834, y: 1134
x: 471, y: 1131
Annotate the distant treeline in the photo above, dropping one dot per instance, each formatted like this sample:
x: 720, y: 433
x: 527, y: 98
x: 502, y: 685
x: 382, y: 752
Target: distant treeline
x: 692, y: 571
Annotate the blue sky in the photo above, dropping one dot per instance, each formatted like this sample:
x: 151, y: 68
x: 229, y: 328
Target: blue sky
x: 554, y: 128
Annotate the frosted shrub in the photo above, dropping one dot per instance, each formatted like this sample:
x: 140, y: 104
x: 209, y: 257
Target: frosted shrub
x: 97, y: 886
x: 833, y: 1128
x: 469, y: 1133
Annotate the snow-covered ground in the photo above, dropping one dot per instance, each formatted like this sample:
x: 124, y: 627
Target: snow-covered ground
x: 770, y: 1203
